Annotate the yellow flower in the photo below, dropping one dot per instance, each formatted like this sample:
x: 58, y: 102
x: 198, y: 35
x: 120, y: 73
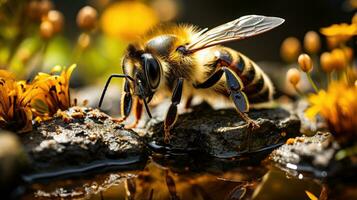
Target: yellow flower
x: 128, y: 19
x: 340, y: 30
x: 338, y: 106
x: 340, y: 33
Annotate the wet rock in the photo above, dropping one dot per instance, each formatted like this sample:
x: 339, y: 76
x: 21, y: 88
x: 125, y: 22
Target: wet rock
x: 84, y: 188
x: 222, y: 133
x: 80, y: 138
x: 314, y: 156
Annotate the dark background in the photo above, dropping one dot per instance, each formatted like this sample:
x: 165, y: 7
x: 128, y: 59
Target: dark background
x: 300, y: 15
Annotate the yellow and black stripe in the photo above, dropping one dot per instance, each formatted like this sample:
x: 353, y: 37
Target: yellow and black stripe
x: 257, y: 85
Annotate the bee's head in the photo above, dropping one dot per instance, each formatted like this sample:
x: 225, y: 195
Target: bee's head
x: 147, y: 77
x: 145, y: 73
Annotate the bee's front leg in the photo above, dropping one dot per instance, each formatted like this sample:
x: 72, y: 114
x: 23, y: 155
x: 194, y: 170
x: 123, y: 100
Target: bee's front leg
x: 125, y: 103
x: 234, y: 86
x: 138, y: 110
x: 171, y: 115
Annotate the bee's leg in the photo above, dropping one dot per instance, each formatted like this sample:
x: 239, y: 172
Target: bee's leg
x: 234, y: 87
x: 125, y: 103
x: 171, y: 115
x: 107, y: 84
x: 188, y: 102
x: 130, y: 188
x: 138, y: 110
x: 171, y: 186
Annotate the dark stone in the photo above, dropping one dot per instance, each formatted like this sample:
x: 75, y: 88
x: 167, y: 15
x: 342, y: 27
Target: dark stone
x: 79, y: 140
x: 222, y: 133
x: 315, y: 157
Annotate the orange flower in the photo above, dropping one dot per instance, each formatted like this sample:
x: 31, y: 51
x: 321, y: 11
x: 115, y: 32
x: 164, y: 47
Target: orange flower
x: 14, y: 110
x: 340, y: 30
x: 50, y: 93
x: 339, y: 33
x: 338, y: 106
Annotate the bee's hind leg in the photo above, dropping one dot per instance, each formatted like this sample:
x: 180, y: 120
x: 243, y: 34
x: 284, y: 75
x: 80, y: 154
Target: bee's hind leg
x: 171, y: 115
x: 234, y: 86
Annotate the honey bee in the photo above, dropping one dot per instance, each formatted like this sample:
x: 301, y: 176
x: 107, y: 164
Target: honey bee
x: 181, y: 60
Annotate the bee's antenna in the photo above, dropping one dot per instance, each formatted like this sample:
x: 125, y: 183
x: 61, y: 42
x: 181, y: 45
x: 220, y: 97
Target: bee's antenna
x: 147, y: 107
x: 107, y: 84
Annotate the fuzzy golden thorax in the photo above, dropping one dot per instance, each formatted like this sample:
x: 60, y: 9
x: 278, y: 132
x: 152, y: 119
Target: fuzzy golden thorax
x: 161, y: 43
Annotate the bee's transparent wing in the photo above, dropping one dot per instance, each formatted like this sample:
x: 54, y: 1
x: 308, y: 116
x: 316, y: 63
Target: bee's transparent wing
x: 238, y: 29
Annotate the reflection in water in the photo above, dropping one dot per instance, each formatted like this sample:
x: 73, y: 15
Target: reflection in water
x: 161, y: 182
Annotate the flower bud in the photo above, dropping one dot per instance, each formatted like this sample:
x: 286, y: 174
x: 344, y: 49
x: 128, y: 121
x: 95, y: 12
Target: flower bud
x: 46, y: 29
x: 84, y: 40
x: 348, y: 53
x: 312, y: 42
x: 354, y: 19
x: 45, y: 7
x: 339, y: 59
x: 87, y: 18
x: 327, y: 62
x: 305, y: 62
x: 34, y: 10
x: 293, y: 76
x: 332, y: 42
x: 56, y: 18
x: 290, y: 49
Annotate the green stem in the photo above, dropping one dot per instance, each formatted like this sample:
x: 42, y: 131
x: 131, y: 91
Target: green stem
x: 78, y: 50
x: 312, y: 82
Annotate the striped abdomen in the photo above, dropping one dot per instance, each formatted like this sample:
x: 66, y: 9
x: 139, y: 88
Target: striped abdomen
x: 257, y: 85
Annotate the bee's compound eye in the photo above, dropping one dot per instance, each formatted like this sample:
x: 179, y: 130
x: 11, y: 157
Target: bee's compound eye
x: 182, y: 49
x: 152, y: 70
